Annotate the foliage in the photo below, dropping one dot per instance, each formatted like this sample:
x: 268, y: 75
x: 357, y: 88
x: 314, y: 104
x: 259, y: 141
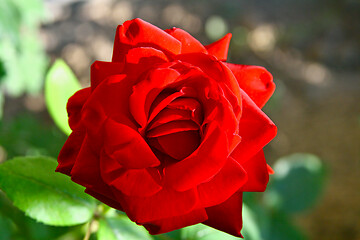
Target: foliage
x: 22, y: 58
x: 27, y: 134
x: 33, y: 186
x: 60, y: 84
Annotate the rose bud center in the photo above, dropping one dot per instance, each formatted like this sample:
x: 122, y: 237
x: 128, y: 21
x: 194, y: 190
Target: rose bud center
x: 175, y: 130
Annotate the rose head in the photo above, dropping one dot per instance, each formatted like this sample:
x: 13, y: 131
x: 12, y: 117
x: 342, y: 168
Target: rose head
x: 169, y: 132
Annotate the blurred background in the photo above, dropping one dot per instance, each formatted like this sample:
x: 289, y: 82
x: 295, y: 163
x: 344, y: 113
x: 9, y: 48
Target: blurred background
x: 312, y: 48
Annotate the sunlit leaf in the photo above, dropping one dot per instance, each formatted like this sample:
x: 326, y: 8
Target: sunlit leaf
x: 251, y: 229
x: 121, y: 228
x: 60, y: 84
x: 2, y: 99
x: 203, y: 232
x: 52, y: 198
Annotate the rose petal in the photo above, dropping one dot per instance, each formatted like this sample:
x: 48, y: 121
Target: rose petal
x: 99, y: 71
x: 136, y: 182
x: 270, y: 170
x: 141, y: 59
x: 224, y: 184
x: 102, y: 198
x: 256, y: 130
x: 138, y: 33
x: 69, y: 152
x: 75, y: 105
x: 132, y: 182
x: 142, y: 56
x: 101, y: 105
x: 189, y: 44
x: 127, y: 146
x: 146, y: 91
x: 179, y: 145
x: 257, y: 171
x: 172, y: 127
x: 202, y: 164
x: 170, y: 224
x: 164, y: 204
x: 189, y: 104
x: 169, y: 115
x: 86, y: 164
x: 234, y: 101
x: 227, y: 216
x: 213, y: 68
x: 256, y: 81
x: 220, y: 48
x: 161, y: 101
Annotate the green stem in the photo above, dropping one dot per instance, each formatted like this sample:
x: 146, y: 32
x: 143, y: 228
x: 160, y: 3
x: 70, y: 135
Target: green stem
x: 89, y: 229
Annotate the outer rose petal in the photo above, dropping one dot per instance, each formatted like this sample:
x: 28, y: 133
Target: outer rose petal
x: 127, y: 146
x: 166, y: 203
x: 86, y: 164
x: 132, y: 182
x: 138, y: 33
x: 189, y: 44
x: 170, y: 224
x: 141, y: 59
x: 214, y: 69
x: 100, y: 105
x: 224, y: 184
x: 270, y: 170
x: 220, y: 48
x: 227, y: 216
x: 74, y: 106
x: 102, y: 198
x: 256, y: 81
x: 145, y: 56
x: 69, y: 152
x: 102, y: 70
x: 257, y: 171
x: 256, y: 130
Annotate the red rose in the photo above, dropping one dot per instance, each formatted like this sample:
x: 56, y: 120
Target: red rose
x: 168, y: 132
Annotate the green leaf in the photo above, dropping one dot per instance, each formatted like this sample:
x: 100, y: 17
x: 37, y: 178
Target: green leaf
x: 6, y: 228
x: 203, y: 232
x: 2, y: 71
x: 28, y: 134
x: 2, y: 100
x: 121, y: 228
x: 251, y: 229
x: 297, y: 182
x: 173, y: 235
x: 60, y: 84
x: 281, y: 228
x: 33, y: 186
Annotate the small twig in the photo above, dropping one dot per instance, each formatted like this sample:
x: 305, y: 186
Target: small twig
x: 89, y: 229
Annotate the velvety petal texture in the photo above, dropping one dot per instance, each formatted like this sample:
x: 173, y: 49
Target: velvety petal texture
x: 170, y: 133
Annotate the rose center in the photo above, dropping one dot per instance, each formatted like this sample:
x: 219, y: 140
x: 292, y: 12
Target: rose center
x: 174, y: 133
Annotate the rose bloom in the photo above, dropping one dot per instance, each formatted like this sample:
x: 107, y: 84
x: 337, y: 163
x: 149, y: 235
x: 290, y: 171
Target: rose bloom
x: 169, y: 132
